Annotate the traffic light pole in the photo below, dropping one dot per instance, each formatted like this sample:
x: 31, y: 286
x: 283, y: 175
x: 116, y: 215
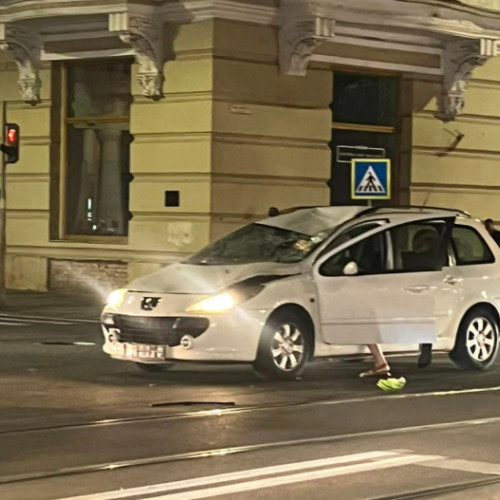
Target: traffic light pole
x: 3, y: 217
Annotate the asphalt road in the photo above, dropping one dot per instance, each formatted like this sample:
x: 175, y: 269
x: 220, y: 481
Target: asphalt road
x: 74, y: 422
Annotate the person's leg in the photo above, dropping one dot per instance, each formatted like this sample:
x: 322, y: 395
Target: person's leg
x: 378, y: 355
x: 425, y: 357
x: 381, y: 365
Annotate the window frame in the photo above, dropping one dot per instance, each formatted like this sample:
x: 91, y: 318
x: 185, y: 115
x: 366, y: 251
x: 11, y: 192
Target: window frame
x: 382, y: 235
x: 65, y: 121
x: 454, y: 252
x: 442, y: 251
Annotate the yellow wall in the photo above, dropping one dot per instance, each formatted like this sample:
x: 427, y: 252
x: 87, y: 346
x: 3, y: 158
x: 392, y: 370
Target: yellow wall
x: 271, y: 132
x: 171, y: 151
x: 467, y: 177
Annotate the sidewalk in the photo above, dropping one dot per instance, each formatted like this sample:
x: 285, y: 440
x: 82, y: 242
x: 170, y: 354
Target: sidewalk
x: 53, y: 305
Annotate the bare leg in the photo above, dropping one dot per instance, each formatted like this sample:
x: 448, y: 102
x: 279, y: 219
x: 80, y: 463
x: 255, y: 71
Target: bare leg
x: 381, y: 365
x: 378, y: 355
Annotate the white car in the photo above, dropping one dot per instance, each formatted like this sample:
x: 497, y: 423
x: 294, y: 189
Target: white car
x: 318, y: 282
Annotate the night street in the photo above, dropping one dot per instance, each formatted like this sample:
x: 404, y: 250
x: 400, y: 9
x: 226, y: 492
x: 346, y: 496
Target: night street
x: 74, y: 422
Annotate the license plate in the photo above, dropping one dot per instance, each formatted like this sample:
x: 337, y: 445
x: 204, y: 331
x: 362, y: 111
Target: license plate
x: 142, y: 351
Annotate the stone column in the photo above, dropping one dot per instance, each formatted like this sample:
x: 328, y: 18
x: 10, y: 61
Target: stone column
x: 111, y: 215
x: 87, y: 183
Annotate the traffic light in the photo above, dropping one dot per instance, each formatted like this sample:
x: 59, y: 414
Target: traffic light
x: 10, y: 147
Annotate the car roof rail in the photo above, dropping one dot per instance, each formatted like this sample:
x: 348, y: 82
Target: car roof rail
x: 374, y: 210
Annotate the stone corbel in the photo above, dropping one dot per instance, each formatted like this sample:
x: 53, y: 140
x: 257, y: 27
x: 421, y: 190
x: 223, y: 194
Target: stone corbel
x: 26, y: 48
x: 299, y: 38
x: 304, y: 25
x: 460, y: 60
x: 145, y: 35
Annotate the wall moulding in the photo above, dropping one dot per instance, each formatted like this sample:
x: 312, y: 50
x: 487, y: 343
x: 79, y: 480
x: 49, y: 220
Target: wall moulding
x: 25, y: 46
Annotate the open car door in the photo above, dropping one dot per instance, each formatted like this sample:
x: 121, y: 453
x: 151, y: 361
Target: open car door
x: 388, y: 285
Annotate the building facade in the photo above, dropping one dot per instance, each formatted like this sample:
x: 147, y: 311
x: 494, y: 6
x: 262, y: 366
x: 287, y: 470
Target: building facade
x: 150, y: 127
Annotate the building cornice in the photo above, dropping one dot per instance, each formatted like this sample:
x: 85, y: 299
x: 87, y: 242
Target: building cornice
x: 422, y: 26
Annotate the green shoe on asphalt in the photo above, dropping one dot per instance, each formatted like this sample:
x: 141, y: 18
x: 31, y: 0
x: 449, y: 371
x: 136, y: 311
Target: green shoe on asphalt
x: 392, y: 384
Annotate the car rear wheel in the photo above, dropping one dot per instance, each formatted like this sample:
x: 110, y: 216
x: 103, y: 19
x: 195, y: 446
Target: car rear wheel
x: 476, y: 346
x: 154, y: 368
x: 285, y: 346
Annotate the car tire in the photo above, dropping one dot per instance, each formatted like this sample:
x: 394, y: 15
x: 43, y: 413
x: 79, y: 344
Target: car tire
x: 476, y: 346
x: 286, y: 344
x: 154, y: 368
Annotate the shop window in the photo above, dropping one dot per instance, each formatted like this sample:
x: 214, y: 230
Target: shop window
x: 96, y: 173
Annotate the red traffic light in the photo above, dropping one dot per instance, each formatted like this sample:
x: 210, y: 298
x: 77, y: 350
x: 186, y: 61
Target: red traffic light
x: 11, y: 136
x: 11, y: 146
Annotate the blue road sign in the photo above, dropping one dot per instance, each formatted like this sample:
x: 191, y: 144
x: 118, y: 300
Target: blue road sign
x: 371, y: 179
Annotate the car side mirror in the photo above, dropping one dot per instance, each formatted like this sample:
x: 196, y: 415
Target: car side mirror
x: 351, y: 269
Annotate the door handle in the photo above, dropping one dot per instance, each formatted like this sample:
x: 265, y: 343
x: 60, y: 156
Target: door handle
x: 450, y: 280
x: 417, y: 288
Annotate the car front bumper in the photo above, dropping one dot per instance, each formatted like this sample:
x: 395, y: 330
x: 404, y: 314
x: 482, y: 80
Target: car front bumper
x: 227, y: 337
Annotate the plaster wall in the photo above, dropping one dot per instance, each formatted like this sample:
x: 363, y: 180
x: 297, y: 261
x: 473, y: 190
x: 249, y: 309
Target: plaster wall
x: 464, y: 175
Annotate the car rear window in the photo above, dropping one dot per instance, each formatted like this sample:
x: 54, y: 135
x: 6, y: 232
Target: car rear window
x: 469, y: 247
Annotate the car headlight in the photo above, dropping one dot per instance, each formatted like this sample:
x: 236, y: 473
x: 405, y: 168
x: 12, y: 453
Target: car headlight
x: 116, y: 297
x: 227, y: 300
x: 215, y: 304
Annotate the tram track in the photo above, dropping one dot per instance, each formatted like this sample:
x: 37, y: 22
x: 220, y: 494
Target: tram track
x: 441, y: 490
x: 233, y: 410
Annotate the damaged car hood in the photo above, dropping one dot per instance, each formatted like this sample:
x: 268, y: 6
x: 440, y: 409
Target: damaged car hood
x: 199, y: 279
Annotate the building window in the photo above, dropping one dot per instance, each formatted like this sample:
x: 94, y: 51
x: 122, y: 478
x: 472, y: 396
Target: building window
x: 96, y: 109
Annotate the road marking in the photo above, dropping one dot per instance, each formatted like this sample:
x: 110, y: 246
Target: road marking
x: 464, y: 466
x: 260, y: 484
x: 193, y: 455
x: 372, y: 461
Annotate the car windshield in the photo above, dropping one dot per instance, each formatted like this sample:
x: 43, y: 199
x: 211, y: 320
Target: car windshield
x: 259, y: 243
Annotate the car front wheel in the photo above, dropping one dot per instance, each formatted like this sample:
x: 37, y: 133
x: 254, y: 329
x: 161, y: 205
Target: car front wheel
x: 476, y: 346
x: 285, y: 346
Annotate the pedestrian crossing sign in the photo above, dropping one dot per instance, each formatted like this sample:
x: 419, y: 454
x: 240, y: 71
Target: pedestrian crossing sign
x: 371, y: 179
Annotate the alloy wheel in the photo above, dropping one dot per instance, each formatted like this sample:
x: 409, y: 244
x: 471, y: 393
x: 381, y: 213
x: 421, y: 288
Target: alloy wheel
x: 287, y: 347
x: 480, y: 339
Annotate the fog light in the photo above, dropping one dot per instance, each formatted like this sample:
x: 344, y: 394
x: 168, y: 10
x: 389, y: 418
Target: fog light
x: 187, y: 342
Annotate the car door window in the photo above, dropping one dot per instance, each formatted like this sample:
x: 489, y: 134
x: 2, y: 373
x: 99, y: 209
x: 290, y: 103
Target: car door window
x: 349, y: 234
x: 416, y: 246
x: 469, y: 247
x: 368, y: 254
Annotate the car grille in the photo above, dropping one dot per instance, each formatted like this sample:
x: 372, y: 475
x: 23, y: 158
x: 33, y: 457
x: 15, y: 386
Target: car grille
x: 158, y: 330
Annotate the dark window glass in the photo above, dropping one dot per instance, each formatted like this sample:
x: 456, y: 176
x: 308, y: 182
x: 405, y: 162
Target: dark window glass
x: 349, y: 234
x: 99, y: 89
x: 368, y: 254
x: 97, y: 174
x: 469, y: 247
x: 365, y: 99
x: 416, y: 246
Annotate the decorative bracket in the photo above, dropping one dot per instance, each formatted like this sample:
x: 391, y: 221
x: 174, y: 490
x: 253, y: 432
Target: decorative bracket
x: 26, y: 48
x: 145, y: 35
x: 305, y: 24
x: 460, y: 60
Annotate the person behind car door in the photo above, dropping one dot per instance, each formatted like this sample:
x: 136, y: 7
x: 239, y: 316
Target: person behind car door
x: 490, y: 226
